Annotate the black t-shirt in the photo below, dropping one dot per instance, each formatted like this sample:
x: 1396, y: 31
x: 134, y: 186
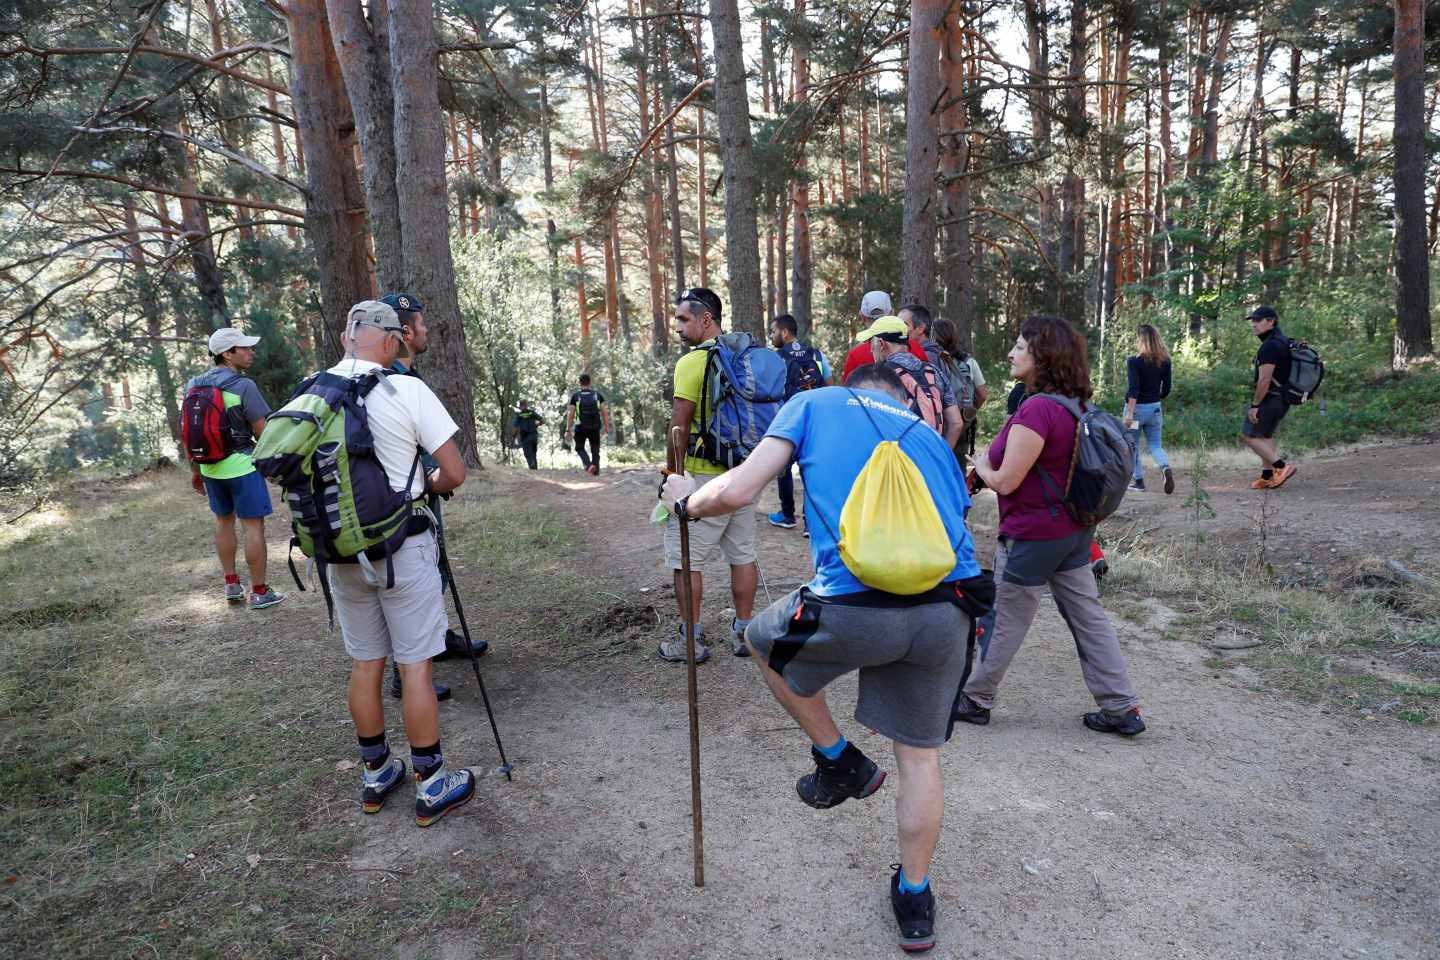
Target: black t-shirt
x: 1275, y: 348
x: 527, y: 423
x: 586, y: 404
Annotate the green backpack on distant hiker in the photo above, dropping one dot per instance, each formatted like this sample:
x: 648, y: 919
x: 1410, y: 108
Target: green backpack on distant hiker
x: 318, y: 447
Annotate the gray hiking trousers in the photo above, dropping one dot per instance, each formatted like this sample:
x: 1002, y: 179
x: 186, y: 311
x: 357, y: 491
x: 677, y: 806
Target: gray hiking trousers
x: 1073, y: 586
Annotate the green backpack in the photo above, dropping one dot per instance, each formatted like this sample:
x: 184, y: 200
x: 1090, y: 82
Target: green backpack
x: 318, y: 447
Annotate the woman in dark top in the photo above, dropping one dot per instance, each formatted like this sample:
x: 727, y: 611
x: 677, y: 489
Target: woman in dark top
x: 1040, y: 545
x: 1149, y: 372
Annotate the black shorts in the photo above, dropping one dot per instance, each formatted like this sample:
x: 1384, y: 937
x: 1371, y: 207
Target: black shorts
x: 1272, y: 410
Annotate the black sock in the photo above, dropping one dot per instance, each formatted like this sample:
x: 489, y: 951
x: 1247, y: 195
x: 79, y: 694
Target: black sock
x: 426, y: 760
x: 374, y: 750
x: 1267, y: 473
x: 1279, y: 464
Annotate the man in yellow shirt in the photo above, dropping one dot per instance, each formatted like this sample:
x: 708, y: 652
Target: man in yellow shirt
x: 697, y: 324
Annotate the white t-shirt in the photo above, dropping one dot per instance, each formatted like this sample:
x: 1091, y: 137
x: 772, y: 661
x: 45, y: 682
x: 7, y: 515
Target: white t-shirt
x: 402, y: 419
x: 975, y: 374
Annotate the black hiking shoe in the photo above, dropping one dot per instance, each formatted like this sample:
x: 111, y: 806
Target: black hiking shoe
x: 1169, y: 481
x: 915, y: 913
x: 455, y: 647
x: 1126, y: 724
x: 969, y: 711
x: 835, y: 781
x: 442, y: 690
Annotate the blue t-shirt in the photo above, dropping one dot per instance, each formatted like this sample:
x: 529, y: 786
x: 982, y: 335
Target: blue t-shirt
x: 833, y: 439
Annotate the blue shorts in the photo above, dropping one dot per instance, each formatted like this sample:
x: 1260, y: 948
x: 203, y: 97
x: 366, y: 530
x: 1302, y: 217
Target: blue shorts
x: 247, y: 497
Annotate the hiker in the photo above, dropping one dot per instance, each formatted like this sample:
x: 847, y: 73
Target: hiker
x: 587, y: 414
x: 805, y: 369
x: 1149, y: 383
x: 1039, y: 543
x: 930, y: 396
x: 227, y: 474
x: 967, y: 381
x: 525, y: 430
x: 697, y: 323
x: 873, y: 305
x: 416, y: 337
x: 904, y: 647
x: 1267, y: 401
x: 406, y: 620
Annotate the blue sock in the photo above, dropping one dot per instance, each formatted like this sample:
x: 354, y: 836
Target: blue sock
x: 833, y: 752
x: 738, y: 625
x: 907, y: 887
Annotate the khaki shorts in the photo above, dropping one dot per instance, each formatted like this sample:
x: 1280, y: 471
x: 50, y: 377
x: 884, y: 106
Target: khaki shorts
x: 733, y: 533
x: 407, y: 621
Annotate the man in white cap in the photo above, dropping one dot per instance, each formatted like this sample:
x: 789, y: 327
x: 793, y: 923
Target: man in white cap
x: 226, y: 473
x: 873, y: 306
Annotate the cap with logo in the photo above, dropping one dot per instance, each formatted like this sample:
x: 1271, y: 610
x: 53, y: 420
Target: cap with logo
x: 403, y: 302
x: 1263, y: 313
x: 874, y: 304
x: 372, y: 313
x: 228, y: 338
x: 891, y: 329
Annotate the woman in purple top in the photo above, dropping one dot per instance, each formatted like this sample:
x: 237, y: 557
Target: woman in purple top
x: 1040, y: 544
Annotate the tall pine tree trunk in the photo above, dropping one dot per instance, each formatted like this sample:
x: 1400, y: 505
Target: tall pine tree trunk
x: 917, y: 231
x: 1413, y: 336
x: 802, y: 271
x: 737, y: 160
x: 955, y: 199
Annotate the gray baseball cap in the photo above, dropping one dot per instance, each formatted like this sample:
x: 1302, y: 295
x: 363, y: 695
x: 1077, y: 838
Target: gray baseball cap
x: 373, y: 313
x: 874, y: 304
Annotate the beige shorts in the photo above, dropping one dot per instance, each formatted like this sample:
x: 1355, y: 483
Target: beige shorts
x: 732, y: 533
x: 406, y: 621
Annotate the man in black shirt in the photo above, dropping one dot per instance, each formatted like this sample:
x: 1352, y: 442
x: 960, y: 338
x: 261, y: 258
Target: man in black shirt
x: 586, y: 416
x: 1267, y: 403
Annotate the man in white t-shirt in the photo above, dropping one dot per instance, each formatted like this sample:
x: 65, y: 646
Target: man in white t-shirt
x: 406, y: 621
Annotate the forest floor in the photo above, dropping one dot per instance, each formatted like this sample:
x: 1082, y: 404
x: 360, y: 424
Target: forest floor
x: 181, y: 776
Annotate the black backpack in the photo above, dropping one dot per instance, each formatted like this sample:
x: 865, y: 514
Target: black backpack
x: 1099, y: 467
x: 587, y: 408
x: 802, y: 370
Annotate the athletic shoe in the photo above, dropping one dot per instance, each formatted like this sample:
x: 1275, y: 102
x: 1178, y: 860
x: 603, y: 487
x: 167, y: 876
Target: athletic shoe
x: 442, y: 691
x: 259, y: 601
x: 1099, y: 568
x: 737, y: 642
x: 915, y: 913
x: 376, y: 785
x: 969, y: 711
x: 1263, y: 483
x: 455, y: 647
x: 835, y: 781
x: 673, y: 651
x: 440, y: 793
x: 805, y: 533
x: 1137, y: 484
x: 593, y: 470
x: 1169, y: 481
x: 778, y: 519
x: 1126, y: 724
x: 1281, y: 475
x: 235, y: 592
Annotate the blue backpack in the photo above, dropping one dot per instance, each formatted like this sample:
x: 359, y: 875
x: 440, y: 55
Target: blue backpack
x: 743, y: 389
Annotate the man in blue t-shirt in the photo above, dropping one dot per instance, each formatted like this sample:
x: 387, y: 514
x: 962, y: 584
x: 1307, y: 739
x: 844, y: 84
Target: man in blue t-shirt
x: 909, y: 650
x: 805, y: 369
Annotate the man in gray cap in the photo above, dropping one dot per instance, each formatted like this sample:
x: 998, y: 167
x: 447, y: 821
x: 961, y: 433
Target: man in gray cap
x: 220, y: 460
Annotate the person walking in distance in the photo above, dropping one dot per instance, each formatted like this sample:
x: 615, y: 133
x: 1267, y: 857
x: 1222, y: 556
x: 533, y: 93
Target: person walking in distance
x: 525, y: 429
x: 903, y: 647
x: 930, y: 396
x: 966, y: 379
x: 586, y: 416
x: 1267, y: 400
x: 230, y: 482
x: 697, y: 323
x: 873, y: 306
x: 1149, y: 383
x: 805, y: 369
x: 1040, y: 544
x: 406, y: 620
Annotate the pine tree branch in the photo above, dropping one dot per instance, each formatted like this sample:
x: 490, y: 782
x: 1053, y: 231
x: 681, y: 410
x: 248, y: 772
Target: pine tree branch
x: 212, y: 62
x: 246, y: 162
x: 156, y: 188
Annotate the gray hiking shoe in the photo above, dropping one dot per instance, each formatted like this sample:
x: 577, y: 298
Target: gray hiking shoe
x: 235, y: 592
x: 673, y: 651
x: 737, y: 641
x: 259, y: 601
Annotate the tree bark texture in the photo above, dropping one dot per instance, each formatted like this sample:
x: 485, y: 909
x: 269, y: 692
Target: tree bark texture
x: 802, y: 272
x: 1413, y: 335
x: 955, y: 207
x: 732, y: 108
x: 917, y: 233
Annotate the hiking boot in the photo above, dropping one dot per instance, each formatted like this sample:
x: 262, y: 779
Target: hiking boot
x: 235, y: 592
x: 673, y: 651
x: 1169, y: 481
x: 1281, y: 475
x: 376, y: 785
x: 779, y: 519
x: 835, y: 781
x: 1137, y: 484
x: 1126, y: 724
x: 737, y: 642
x: 442, y: 691
x: 1263, y: 483
x: 455, y: 647
x: 440, y: 793
x: 1099, y: 568
x: 593, y: 470
x: 259, y: 601
x: 968, y: 711
x: 915, y: 913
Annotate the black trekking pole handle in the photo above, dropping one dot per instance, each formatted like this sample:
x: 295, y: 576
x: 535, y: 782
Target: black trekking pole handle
x: 505, y: 765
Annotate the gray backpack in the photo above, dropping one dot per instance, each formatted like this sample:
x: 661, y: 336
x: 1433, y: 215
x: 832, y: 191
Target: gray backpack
x: 1099, y: 467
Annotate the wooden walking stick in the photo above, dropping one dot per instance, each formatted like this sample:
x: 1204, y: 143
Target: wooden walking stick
x: 697, y: 824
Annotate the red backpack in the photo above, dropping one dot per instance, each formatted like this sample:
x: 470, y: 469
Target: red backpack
x: 926, y: 400
x: 204, y: 424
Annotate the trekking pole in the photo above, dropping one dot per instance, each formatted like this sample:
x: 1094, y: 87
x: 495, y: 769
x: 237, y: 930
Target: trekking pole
x: 505, y: 765
x: 697, y: 826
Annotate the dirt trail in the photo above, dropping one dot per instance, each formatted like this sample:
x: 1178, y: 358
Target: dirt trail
x: 1241, y: 824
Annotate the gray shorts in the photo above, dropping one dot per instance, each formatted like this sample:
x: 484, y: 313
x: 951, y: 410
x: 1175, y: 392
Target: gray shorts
x: 910, y: 659
x: 406, y: 621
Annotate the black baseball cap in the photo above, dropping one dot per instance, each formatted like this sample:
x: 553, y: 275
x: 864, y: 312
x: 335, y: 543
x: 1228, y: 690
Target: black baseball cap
x: 1263, y: 313
x: 403, y: 302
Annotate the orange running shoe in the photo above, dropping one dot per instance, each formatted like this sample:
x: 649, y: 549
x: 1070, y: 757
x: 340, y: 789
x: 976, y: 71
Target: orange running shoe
x: 1262, y: 483
x: 1281, y: 475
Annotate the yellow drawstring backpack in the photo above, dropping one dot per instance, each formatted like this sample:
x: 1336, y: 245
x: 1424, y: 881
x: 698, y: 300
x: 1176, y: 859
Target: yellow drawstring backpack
x: 891, y: 534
